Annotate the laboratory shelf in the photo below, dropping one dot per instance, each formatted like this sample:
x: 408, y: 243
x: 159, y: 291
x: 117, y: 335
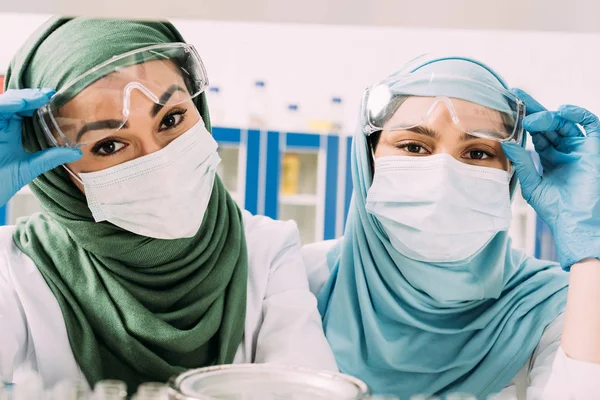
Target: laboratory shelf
x: 299, y: 199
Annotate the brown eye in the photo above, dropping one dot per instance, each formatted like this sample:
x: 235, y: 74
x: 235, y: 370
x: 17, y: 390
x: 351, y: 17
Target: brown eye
x: 107, y: 148
x: 479, y: 155
x: 413, y: 148
x: 172, y: 120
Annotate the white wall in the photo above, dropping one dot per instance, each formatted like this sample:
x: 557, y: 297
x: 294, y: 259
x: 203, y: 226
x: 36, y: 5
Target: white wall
x: 308, y: 64
x: 542, y: 15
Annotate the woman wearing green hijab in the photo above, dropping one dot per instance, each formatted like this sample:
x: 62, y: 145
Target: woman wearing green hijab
x: 141, y: 265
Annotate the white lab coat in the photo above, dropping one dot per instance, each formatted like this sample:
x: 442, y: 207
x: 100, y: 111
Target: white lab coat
x: 282, y: 322
x: 549, y: 374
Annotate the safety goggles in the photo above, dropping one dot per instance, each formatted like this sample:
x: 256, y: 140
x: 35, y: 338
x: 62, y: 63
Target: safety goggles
x: 98, y: 103
x: 475, y: 108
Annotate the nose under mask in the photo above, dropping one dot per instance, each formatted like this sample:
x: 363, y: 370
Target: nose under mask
x: 437, y: 209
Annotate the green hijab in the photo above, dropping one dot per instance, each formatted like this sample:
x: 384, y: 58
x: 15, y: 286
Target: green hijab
x: 135, y: 308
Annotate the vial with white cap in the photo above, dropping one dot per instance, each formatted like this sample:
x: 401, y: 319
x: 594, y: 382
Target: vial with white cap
x: 110, y: 390
x: 151, y: 391
x: 258, y: 105
x: 67, y: 390
x: 215, y: 106
x: 337, y: 115
x: 293, y: 121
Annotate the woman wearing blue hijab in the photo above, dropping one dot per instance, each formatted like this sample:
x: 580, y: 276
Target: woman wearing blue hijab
x: 425, y: 293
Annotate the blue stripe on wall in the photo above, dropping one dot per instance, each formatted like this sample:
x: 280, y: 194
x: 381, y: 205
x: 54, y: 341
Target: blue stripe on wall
x: 348, y: 179
x: 252, y: 157
x: 227, y: 135
x: 3, y: 216
x: 305, y: 140
x: 331, y: 178
x: 272, y: 179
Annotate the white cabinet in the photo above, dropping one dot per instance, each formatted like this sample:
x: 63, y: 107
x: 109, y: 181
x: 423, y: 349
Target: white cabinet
x: 23, y: 204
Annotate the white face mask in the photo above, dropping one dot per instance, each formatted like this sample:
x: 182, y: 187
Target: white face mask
x: 163, y: 195
x: 437, y: 209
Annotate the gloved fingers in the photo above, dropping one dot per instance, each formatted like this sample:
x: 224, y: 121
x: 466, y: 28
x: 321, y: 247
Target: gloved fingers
x: 24, y: 102
x: 46, y: 160
x: 551, y: 136
x: 551, y: 155
x: 540, y: 142
x: 539, y: 120
x: 581, y: 116
x: 532, y: 106
x: 547, y: 121
x: 552, y: 125
x: 554, y: 158
x: 11, y: 131
x: 524, y: 168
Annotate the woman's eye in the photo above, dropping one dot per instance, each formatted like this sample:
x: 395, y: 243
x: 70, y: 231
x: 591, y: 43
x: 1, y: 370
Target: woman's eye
x: 479, y: 155
x: 170, y: 121
x: 413, y: 148
x: 107, y: 148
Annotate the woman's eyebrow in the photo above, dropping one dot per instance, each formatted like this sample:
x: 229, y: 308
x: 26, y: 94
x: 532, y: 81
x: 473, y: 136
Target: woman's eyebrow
x: 420, y: 130
x: 164, y: 98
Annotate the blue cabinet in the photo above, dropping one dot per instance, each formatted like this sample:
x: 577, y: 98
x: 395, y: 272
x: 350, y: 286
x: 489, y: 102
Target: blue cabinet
x: 318, y: 202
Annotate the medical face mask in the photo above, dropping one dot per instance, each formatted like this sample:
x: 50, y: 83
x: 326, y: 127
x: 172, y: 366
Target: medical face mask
x: 437, y: 209
x: 163, y: 195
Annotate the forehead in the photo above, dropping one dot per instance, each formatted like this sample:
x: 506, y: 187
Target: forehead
x: 108, y: 92
x: 443, y: 113
x: 412, y: 105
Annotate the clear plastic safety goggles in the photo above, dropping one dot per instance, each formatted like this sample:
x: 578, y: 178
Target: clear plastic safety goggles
x: 98, y: 103
x: 405, y: 102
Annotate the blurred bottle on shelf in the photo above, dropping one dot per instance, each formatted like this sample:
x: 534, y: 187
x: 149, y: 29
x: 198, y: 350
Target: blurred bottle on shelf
x: 293, y: 119
x: 258, y: 106
x: 337, y: 116
x: 290, y: 175
x: 215, y: 106
x: 331, y: 123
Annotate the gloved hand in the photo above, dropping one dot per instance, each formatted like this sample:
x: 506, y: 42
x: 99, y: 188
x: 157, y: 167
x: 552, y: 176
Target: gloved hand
x: 567, y: 195
x: 17, y: 167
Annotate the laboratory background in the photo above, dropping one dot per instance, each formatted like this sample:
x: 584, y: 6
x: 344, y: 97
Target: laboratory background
x: 284, y: 95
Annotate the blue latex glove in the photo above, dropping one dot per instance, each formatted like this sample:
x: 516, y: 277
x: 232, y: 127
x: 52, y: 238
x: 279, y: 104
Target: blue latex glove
x: 567, y: 195
x: 17, y: 167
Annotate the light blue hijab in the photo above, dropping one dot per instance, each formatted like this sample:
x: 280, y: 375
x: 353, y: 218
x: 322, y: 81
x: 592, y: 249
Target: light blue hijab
x: 407, y: 327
